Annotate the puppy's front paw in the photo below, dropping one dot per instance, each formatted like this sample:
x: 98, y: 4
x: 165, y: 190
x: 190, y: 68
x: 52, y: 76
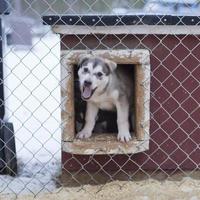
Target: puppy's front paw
x: 124, y: 136
x: 84, y: 134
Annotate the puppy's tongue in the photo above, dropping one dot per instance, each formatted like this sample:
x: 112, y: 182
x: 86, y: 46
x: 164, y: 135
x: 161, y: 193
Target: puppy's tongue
x: 87, y: 92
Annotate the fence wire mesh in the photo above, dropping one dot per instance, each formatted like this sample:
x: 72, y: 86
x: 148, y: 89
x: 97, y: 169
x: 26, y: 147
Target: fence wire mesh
x: 33, y: 76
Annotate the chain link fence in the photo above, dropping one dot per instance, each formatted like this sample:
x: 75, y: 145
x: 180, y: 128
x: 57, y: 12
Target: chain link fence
x: 158, y: 39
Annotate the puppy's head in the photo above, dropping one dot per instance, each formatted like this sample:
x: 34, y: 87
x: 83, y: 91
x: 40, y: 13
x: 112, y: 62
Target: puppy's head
x: 94, y: 75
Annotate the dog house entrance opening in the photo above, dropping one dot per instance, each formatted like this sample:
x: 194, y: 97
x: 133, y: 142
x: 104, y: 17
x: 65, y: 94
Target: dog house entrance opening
x: 106, y: 121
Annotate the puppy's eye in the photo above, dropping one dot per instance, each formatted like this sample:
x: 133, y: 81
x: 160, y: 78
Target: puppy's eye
x: 85, y: 70
x: 99, y: 74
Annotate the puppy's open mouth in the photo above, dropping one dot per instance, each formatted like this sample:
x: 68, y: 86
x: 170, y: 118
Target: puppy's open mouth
x: 87, y: 92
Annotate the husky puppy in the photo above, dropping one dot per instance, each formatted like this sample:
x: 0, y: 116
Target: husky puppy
x: 105, y: 86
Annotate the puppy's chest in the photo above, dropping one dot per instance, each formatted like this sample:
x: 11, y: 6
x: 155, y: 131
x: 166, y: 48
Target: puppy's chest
x: 106, y: 105
x: 105, y: 102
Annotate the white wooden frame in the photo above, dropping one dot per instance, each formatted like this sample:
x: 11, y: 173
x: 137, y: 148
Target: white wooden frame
x: 107, y: 143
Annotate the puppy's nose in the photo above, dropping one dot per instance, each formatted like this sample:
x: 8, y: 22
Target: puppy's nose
x: 87, y: 83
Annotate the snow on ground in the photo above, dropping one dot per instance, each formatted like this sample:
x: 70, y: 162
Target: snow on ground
x: 32, y: 95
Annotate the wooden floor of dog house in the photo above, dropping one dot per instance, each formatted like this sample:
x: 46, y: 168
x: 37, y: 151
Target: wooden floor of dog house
x: 105, y: 144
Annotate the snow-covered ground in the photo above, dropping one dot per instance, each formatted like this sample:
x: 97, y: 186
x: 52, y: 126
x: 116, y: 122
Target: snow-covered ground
x: 32, y: 97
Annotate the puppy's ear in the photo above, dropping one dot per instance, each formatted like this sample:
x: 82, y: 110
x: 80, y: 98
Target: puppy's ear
x: 83, y: 58
x: 112, y: 65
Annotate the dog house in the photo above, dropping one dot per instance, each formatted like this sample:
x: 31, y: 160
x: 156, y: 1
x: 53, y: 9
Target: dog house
x: 164, y: 53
